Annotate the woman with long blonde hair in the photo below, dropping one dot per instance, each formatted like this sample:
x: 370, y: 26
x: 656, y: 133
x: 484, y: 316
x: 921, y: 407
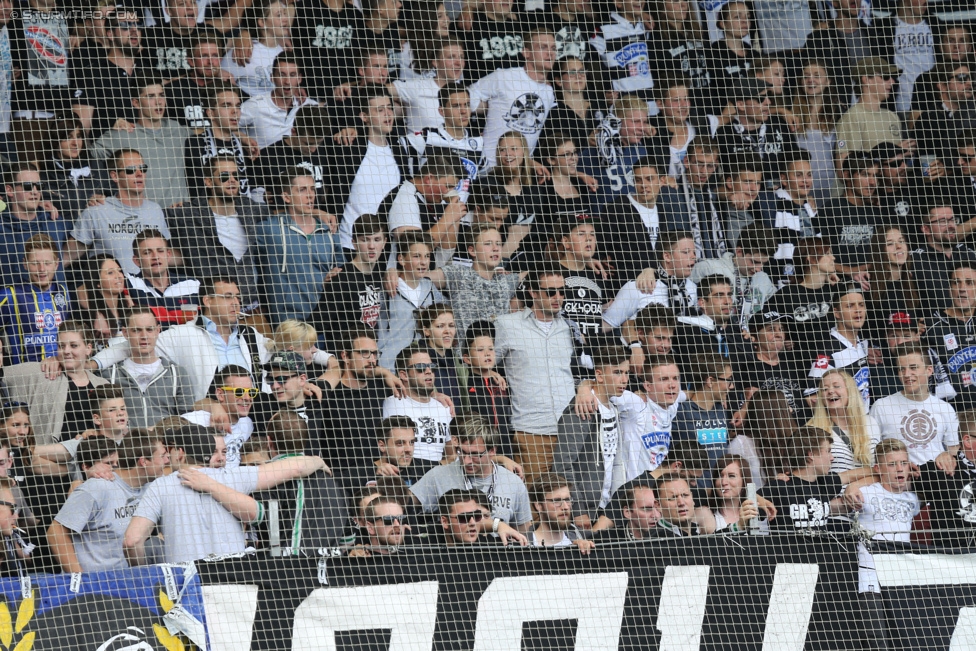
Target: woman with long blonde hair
x: 840, y: 411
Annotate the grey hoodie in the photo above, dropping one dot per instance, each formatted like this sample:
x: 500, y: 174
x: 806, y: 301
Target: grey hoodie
x: 170, y: 393
x: 579, y: 458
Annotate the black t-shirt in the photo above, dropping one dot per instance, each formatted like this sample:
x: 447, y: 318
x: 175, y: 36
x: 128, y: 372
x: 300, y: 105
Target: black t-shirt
x: 349, y: 298
x: 750, y: 371
x: 811, y: 312
x: 685, y: 57
x: 492, y: 45
x: 932, y: 271
x: 585, y: 296
x: 952, y: 500
x: 388, y: 39
x: 78, y: 410
x: 803, y: 505
x: 166, y: 53
x: 312, y: 412
x: 564, y: 119
x: 353, y: 416
x: 324, y: 45
x: 184, y: 103
x: 572, y: 35
x: 850, y: 229
x: 105, y: 86
x: 725, y: 66
x: 773, y: 142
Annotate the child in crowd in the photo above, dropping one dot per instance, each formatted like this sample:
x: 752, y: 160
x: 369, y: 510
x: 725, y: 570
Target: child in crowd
x: 811, y: 494
x: 888, y: 509
x: 30, y: 314
x: 484, y: 391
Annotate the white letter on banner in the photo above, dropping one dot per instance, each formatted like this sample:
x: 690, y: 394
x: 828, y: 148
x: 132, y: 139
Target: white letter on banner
x: 230, y: 611
x: 964, y: 637
x: 790, y: 606
x: 409, y: 610
x: 595, y: 601
x: 682, y: 610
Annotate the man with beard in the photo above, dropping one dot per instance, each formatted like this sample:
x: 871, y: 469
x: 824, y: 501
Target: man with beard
x: 941, y: 253
x: 102, y: 98
x: 222, y: 104
x: 901, y: 199
x: 354, y: 409
x: 754, y: 129
x: 553, y: 508
x: 385, y: 524
x: 215, y: 233
x: 432, y: 419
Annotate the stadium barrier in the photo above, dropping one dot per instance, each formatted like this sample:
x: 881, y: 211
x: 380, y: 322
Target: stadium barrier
x: 718, y: 592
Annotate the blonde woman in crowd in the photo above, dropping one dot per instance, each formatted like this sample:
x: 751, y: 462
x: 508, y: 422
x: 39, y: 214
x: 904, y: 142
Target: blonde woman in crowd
x: 840, y: 411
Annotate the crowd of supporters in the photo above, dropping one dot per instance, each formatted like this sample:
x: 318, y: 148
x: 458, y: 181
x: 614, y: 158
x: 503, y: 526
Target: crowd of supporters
x: 337, y: 276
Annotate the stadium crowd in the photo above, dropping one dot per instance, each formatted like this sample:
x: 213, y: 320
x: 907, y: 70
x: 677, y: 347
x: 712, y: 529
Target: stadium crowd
x: 337, y: 276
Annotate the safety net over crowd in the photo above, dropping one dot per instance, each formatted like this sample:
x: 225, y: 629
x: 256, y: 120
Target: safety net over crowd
x: 541, y: 325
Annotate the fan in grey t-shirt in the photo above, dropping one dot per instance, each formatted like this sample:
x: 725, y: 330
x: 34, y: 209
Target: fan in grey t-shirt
x: 97, y: 513
x: 506, y: 493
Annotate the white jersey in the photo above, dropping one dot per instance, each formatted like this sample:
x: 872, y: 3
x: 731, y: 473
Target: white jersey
x: 888, y: 516
x: 516, y: 102
x: 433, y: 421
x: 927, y: 427
x: 645, y: 430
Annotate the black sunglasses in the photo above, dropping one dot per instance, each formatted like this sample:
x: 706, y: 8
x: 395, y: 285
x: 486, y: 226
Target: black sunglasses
x: 13, y: 507
x: 227, y: 176
x: 962, y: 77
x: 389, y: 519
x: 281, y: 379
x: 553, y: 291
x: 30, y: 186
x: 132, y: 169
x: 477, y: 516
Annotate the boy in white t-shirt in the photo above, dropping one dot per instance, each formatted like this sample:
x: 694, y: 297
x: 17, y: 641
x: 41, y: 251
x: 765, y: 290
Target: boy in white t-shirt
x: 927, y: 425
x: 645, y: 421
x: 886, y: 514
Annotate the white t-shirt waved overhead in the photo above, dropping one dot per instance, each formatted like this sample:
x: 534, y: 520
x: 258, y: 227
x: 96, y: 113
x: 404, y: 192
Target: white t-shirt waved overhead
x: 378, y: 174
x: 515, y: 103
